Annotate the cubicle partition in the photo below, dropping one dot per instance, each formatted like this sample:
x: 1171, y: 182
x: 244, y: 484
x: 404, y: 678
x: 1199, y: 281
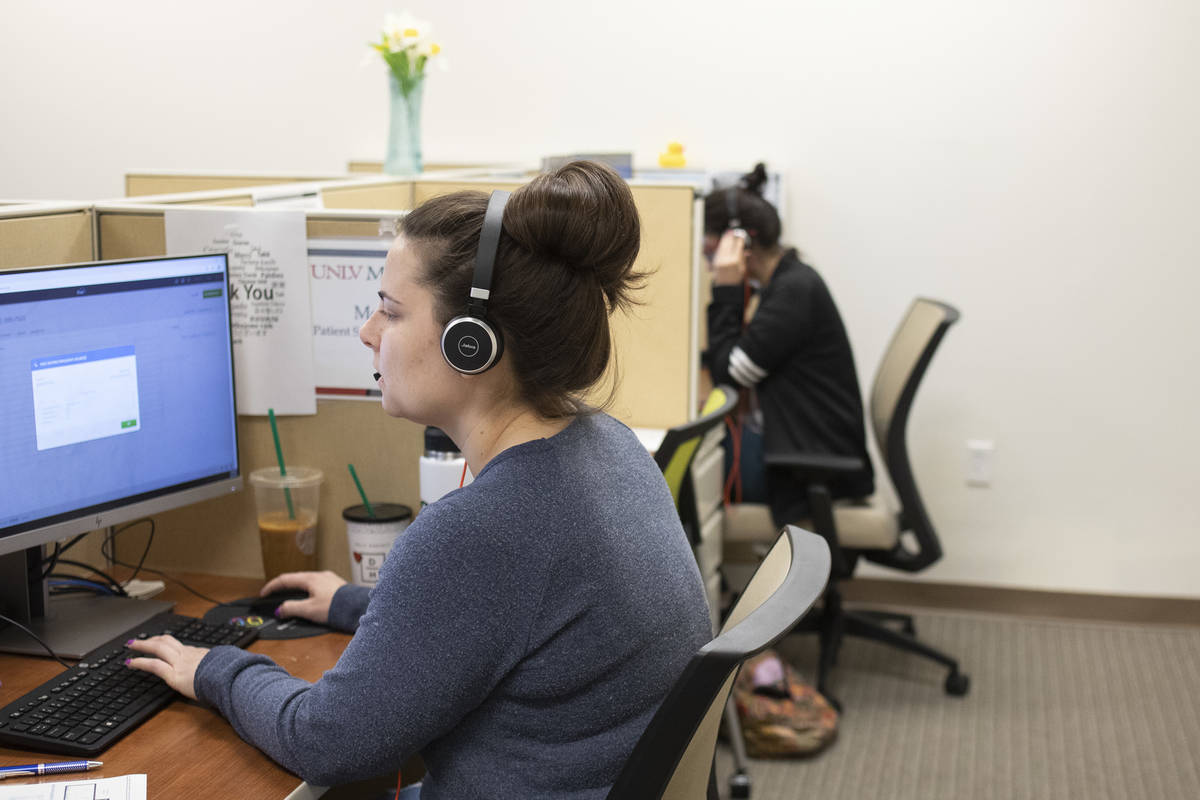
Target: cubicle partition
x: 156, y: 182
x: 656, y: 350
x: 35, y: 234
x: 375, y: 192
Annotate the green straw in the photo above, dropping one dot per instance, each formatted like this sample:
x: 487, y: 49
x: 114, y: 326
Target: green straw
x: 287, y: 493
x: 361, y: 493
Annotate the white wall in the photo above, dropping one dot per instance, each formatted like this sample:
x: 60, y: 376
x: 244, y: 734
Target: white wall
x: 1034, y: 163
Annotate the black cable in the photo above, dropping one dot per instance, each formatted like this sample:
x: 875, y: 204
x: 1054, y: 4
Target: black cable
x: 117, y: 588
x: 59, y: 549
x: 112, y: 556
x: 173, y: 579
x: 37, y: 638
x: 111, y: 539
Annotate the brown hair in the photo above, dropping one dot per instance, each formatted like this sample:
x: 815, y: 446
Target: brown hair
x: 564, y: 264
x: 758, y: 217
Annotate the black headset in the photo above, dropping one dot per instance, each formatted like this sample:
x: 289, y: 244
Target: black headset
x: 732, y: 207
x: 469, y: 342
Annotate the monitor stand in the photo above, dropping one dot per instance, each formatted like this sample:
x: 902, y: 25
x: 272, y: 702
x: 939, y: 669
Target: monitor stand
x: 72, y: 625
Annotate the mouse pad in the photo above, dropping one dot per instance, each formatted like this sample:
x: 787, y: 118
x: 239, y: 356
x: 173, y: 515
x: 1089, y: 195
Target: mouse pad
x: 239, y: 613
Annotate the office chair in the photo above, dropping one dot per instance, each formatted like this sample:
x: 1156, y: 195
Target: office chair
x: 673, y: 759
x: 697, y: 494
x: 678, y: 448
x: 867, y: 528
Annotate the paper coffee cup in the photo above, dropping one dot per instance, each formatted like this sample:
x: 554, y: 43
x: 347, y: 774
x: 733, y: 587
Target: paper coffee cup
x: 370, y: 538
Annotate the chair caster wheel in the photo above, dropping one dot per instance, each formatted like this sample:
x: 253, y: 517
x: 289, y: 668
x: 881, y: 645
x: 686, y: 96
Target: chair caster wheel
x: 957, y: 683
x: 739, y: 785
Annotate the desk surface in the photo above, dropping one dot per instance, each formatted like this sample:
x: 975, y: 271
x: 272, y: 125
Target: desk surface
x: 186, y: 750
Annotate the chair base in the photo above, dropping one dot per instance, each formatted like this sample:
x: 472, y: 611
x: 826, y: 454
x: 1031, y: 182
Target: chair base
x: 833, y: 623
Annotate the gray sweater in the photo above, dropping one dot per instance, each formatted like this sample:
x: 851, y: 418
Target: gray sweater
x: 523, y: 632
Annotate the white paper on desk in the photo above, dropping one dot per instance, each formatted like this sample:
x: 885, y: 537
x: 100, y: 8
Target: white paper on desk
x: 344, y: 277
x: 123, y: 787
x: 268, y: 296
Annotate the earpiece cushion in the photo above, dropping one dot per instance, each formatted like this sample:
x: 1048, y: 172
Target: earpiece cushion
x: 470, y: 345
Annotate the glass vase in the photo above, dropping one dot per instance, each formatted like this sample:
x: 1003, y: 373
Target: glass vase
x: 404, y: 131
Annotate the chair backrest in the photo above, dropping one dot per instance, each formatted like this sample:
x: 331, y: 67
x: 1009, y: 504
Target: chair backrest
x: 673, y: 759
x: 674, y: 456
x: 900, y: 372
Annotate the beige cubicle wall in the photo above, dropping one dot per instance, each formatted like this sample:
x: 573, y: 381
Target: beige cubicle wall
x: 39, y: 234
x: 394, y: 194
x: 155, y: 182
x: 373, y: 192
x: 369, y: 167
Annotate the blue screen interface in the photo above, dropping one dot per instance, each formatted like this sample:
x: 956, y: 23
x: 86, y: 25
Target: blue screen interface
x: 116, y: 385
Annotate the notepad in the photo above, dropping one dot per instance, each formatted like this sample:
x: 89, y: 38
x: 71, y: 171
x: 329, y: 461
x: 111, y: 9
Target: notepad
x: 123, y: 787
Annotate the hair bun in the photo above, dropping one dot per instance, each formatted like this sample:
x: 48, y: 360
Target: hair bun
x: 582, y: 218
x: 755, y: 179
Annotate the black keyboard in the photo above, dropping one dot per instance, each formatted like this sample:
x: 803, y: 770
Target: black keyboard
x: 86, y: 708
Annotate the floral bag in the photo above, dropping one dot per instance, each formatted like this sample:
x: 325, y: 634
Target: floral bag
x: 781, y: 715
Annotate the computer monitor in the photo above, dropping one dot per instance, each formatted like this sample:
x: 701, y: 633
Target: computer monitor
x: 116, y: 402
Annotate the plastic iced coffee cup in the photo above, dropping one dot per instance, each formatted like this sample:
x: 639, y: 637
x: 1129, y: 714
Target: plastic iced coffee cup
x: 371, y: 538
x: 287, y: 517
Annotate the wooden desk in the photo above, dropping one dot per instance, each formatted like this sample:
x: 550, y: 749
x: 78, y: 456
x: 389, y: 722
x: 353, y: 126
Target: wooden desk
x: 186, y: 750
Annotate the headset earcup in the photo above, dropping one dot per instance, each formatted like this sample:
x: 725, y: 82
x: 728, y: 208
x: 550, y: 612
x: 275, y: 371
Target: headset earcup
x: 470, y: 345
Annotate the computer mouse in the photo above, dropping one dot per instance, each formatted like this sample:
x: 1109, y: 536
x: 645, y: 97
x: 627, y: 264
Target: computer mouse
x: 269, y: 602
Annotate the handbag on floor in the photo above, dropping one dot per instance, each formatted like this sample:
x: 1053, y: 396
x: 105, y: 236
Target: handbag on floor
x: 781, y: 715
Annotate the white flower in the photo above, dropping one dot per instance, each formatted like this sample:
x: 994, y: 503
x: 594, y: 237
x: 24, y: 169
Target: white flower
x: 407, y: 46
x: 403, y: 31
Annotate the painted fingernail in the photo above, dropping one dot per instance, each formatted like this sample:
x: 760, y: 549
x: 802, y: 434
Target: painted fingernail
x: 129, y: 642
x: 127, y: 661
x: 276, y: 612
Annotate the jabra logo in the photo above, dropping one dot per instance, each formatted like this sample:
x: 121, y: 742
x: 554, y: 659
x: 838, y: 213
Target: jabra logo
x: 468, y: 346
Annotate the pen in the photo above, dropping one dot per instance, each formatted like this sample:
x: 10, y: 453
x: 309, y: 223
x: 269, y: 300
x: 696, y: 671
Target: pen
x: 33, y: 770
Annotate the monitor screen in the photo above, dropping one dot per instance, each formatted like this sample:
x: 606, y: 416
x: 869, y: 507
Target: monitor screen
x: 117, y: 393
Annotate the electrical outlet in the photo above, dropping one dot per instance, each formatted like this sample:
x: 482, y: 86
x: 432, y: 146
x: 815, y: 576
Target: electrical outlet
x: 979, y: 462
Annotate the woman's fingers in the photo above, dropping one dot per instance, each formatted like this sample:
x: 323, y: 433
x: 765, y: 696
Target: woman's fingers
x: 169, y: 659
x: 155, y: 666
x: 158, y: 646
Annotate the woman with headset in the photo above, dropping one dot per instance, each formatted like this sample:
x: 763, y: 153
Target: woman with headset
x: 526, y: 626
x: 792, y: 356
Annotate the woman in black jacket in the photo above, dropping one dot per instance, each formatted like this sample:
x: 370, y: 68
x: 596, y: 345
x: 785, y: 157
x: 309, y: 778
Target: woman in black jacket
x: 792, y: 356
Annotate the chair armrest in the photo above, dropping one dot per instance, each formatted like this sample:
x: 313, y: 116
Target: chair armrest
x: 815, y: 466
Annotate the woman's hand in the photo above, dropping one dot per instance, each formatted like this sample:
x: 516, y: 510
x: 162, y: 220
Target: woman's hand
x: 172, y: 661
x: 320, y: 587
x: 729, y: 260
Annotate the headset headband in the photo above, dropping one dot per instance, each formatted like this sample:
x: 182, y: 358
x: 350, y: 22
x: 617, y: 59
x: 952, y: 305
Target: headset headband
x: 731, y: 207
x: 485, y: 254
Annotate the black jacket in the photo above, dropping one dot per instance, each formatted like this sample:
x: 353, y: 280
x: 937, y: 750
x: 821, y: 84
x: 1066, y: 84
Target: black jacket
x: 796, y: 356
